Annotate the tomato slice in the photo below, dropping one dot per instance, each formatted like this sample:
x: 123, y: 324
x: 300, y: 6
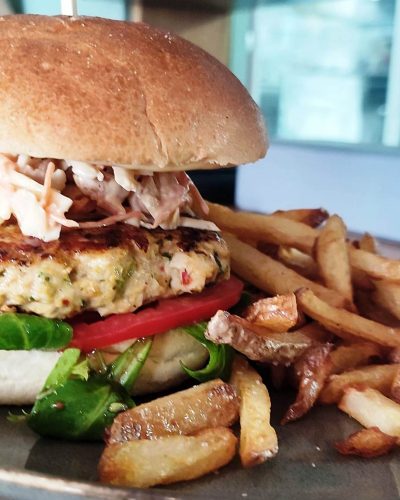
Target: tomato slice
x: 165, y: 315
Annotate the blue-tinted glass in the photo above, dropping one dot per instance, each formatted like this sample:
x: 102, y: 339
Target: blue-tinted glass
x: 323, y: 70
x: 114, y: 9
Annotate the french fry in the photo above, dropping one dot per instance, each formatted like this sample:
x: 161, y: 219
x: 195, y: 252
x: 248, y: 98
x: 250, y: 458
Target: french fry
x: 311, y: 370
x: 170, y: 459
x: 269, y: 228
x: 271, y: 276
x: 332, y: 257
x: 394, y: 355
x: 301, y: 320
x: 267, y: 248
x: 361, y: 280
x: 344, y: 323
x: 368, y: 243
x: 256, y: 342
x: 298, y: 261
x: 376, y: 266
x: 387, y: 295
x: 347, y: 357
x: 373, y: 311
x: 251, y: 241
x: 372, y: 409
x: 395, y: 388
x: 378, y: 377
x: 313, y: 217
x: 212, y: 404
x: 315, y: 332
x: 367, y: 443
x: 278, y: 313
x: 258, y: 439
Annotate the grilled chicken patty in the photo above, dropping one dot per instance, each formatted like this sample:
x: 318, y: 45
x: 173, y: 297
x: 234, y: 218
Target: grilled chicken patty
x: 113, y: 269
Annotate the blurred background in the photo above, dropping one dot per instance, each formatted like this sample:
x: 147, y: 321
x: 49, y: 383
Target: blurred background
x: 326, y: 74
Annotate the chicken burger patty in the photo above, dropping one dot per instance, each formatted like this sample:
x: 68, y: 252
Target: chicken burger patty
x: 112, y: 270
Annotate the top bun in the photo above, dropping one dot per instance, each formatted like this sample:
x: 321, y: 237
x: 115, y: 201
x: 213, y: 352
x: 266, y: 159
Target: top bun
x: 115, y: 92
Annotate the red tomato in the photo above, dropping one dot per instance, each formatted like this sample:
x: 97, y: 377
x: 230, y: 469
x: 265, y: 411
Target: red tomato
x: 165, y: 315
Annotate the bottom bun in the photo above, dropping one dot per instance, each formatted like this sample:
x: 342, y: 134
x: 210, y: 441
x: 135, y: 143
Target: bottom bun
x: 23, y: 373
x: 162, y: 369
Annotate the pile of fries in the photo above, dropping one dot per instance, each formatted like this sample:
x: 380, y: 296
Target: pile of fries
x: 329, y: 322
x: 186, y: 435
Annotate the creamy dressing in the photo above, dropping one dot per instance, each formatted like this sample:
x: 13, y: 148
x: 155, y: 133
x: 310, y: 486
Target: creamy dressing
x: 31, y: 190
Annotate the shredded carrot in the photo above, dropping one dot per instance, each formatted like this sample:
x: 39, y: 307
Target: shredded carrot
x: 47, y: 194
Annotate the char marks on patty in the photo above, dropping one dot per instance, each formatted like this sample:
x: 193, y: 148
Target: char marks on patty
x: 18, y: 248
x: 112, y: 270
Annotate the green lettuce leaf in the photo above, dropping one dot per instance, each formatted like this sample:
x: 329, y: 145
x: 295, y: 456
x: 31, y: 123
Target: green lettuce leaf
x: 126, y: 368
x: 20, y: 331
x: 220, y: 356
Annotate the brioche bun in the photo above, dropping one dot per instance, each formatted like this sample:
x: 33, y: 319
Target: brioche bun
x: 162, y: 368
x: 23, y: 373
x: 114, y: 92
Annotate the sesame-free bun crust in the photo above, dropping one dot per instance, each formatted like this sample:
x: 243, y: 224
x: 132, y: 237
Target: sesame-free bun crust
x: 115, y: 92
x: 23, y: 373
x: 162, y: 369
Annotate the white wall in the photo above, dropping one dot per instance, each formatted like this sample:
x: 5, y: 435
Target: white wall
x: 362, y: 187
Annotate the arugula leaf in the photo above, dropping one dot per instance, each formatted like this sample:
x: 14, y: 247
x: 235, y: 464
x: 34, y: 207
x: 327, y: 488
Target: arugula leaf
x: 16, y: 419
x: 81, y: 370
x: 220, y: 356
x: 76, y: 404
x: 126, y: 368
x: 79, y: 409
x: 19, y: 331
x: 62, y: 370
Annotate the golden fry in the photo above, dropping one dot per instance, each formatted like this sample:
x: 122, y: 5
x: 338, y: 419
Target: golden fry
x: 372, y: 409
x: 278, y: 314
x: 315, y: 332
x: 387, y: 295
x: 367, y: 443
x: 268, y: 228
x: 376, y: 266
x: 298, y: 261
x: 256, y: 342
x: 313, y: 217
x: 311, y: 370
x: 361, y: 280
x: 344, y: 323
x: 373, y: 311
x: 378, y: 377
x: 394, y: 355
x: 348, y: 357
x: 258, y: 439
x: 368, y: 243
x: 166, y: 460
x: 395, y: 388
x: 212, y: 404
x: 271, y: 276
x: 267, y: 248
x: 332, y: 257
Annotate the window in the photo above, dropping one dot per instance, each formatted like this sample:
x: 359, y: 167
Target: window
x: 322, y: 70
x: 114, y: 9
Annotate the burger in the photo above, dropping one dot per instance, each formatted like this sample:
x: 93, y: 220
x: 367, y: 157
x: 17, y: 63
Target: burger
x: 102, y: 231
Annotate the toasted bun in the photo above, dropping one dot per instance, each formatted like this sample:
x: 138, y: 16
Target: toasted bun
x: 114, y: 92
x: 23, y: 373
x: 162, y: 368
